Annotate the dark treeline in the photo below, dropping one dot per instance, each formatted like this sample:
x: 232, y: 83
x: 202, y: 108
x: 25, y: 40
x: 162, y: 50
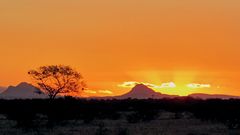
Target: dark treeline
x: 27, y: 112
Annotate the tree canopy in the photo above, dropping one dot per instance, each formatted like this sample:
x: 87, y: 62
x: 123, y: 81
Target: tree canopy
x: 57, y: 79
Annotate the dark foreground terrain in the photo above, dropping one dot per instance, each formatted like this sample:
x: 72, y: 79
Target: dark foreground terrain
x: 69, y: 116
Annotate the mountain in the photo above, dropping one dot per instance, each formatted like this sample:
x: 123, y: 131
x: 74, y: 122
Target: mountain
x: 212, y: 96
x: 2, y: 89
x: 22, y: 91
x: 141, y: 91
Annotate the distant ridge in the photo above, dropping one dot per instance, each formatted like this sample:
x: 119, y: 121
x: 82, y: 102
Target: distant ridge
x: 22, y: 91
x: 2, y: 89
x: 141, y: 91
x: 213, y: 96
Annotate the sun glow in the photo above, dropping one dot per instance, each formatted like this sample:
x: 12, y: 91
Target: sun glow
x: 170, y: 87
x: 195, y: 85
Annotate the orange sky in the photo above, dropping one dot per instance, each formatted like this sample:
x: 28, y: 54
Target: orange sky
x: 114, y: 41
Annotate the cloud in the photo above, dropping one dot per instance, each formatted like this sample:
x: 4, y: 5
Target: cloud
x: 197, y: 86
x: 90, y: 91
x: 131, y: 84
x: 168, y: 85
x: 105, y: 92
x: 98, y: 92
x: 128, y: 84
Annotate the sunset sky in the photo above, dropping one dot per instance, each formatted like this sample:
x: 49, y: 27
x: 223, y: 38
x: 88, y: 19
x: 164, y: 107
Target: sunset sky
x: 178, y: 46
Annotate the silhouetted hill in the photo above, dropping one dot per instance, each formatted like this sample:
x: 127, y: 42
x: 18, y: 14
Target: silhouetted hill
x: 213, y: 96
x: 22, y: 91
x: 141, y: 91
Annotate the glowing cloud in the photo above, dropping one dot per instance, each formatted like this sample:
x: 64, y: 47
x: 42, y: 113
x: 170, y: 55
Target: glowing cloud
x: 168, y: 85
x: 105, y: 92
x: 128, y: 84
x: 131, y: 84
x: 196, y: 85
x: 98, y: 92
x: 90, y: 91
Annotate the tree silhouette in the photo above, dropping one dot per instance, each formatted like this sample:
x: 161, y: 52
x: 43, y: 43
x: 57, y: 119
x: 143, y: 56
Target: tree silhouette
x: 57, y: 79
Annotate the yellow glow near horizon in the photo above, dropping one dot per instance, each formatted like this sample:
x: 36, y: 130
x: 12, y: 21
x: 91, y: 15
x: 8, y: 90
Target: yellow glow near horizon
x: 195, y: 85
x: 170, y: 87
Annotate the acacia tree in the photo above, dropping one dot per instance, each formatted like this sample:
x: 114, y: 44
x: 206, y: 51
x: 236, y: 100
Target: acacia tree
x: 57, y: 79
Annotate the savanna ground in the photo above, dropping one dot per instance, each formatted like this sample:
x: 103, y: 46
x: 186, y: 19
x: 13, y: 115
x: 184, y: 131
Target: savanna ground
x: 122, y: 127
x: 127, y: 117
